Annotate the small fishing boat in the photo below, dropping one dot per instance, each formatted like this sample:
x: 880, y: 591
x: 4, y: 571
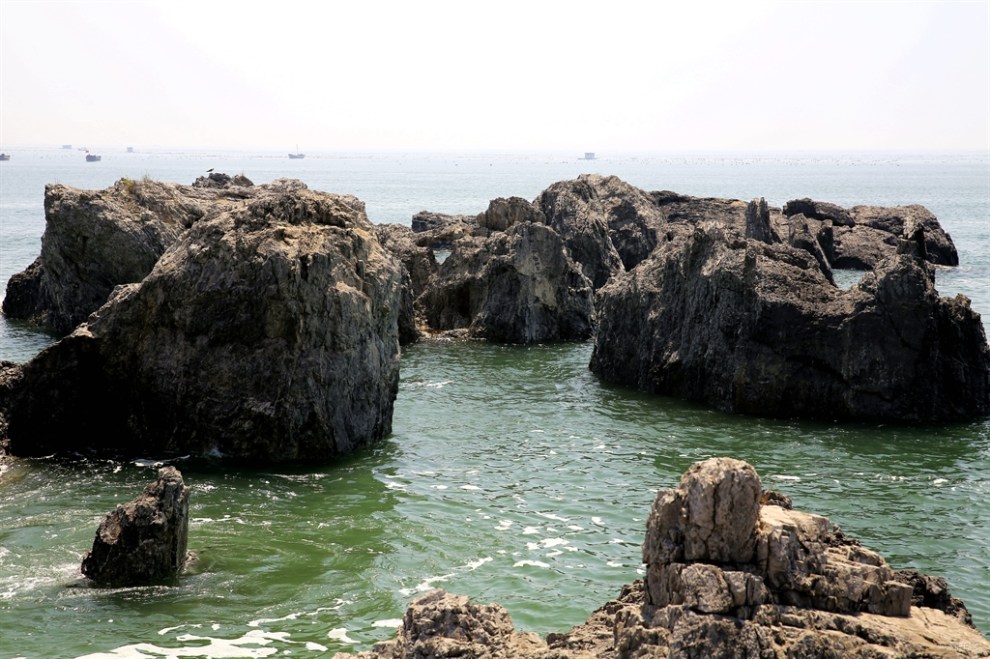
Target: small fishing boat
x: 297, y: 155
x: 90, y: 157
x: 4, y: 156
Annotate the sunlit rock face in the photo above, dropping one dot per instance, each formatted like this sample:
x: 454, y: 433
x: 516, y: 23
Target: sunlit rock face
x: 268, y: 331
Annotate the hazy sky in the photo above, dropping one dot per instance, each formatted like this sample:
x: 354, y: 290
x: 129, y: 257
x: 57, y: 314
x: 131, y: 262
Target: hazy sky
x: 577, y: 76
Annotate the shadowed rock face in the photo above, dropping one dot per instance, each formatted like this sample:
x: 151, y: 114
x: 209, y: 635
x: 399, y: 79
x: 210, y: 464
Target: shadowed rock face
x: 729, y: 574
x: 860, y: 237
x: 517, y: 286
x: 143, y: 541
x: 95, y: 240
x: 267, y: 332
x: 755, y: 328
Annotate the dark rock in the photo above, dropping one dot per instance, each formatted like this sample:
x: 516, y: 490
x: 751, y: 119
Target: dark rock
x: 269, y: 331
x: 819, y: 210
x: 865, y: 235
x: 904, y: 222
x: 503, y: 213
x: 420, y: 266
x: 220, y: 180
x: 758, y: 225
x: 813, y: 237
x: 441, y: 231
x: 95, y: 240
x: 143, y: 541
x: 517, y: 286
x: 575, y: 210
x: 757, y: 329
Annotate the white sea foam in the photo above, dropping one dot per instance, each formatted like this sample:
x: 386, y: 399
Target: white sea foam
x: 553, y: 517
x: 339, y: 634
x: 470, y: 487
x: 503, y: 524
x: 530, y: 564
x: 790, y: 479
x: 530, y: 530
x: 252, y: 644
x: 440, y: 487
x: 936, y: 482
x: 597, y: 521
x: 388, y: 622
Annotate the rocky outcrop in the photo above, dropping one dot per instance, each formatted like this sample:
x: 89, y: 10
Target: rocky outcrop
x: 578, y: 213
x: 97, y: 239
x: 420, y: 265
x: 143, y: 541
x: 757, y: 329
x: 860, y: 237
x: 268, y: 331
x: 728, y: 574
x: 517, y: 286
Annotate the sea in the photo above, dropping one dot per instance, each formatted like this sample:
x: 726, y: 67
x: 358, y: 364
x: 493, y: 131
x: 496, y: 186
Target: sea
x: 512, y: 475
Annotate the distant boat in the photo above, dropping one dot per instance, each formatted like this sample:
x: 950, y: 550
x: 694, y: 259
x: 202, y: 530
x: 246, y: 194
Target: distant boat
x: 589, y: 155
x: 4, y: 156
x: 297, y: 155
x: 66, y: 146
x: 130, y: 149
x: 92, y: 157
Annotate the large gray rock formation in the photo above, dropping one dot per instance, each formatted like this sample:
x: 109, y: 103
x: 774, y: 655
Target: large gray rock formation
x: 95, y: 240
x: 729, y: 573
x: 757, y: 328
x: 517, y: 286
x: 143, y: 541
x: 268, y: 331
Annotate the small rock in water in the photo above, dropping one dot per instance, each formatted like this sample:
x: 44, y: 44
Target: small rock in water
x: 143, y: 541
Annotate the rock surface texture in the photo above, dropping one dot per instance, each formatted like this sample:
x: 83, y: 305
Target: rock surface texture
x: 267, y: 331
x: 757, y: 328
x: 143, y: 541
x: 95, y: 240
x: 727, y: 576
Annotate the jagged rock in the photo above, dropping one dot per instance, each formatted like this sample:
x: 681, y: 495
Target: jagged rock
x: 97, y: 239
x: 758, y: 226
x: 441, y: 231
x: 503, y: 213
x: 221, y: 180
x: 819, y: 210
x: 865, y: 235
x: 420, y: 266
x: 764, y: 581
x: 438, y: 624
x: 757, y: 329
x: 267, y: 332
x: 579, y: 213
x: 813, y: 237
x: 517, y: 286
x: 143, y: 541
x: 903, y: 222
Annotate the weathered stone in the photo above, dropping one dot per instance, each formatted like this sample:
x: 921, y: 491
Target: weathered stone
x: 502, y: 213
x: 758, y: 225
x: 267, y: 332
x: 517, y: 286
x: 577, y: 211
x: 819, y: 210
x: 438, y: 624
x: 702, y: 609
x: 757, y: 329
x: 143, y: 541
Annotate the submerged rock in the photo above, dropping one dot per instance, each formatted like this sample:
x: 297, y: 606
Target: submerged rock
x: 268, y: 331
x: 143, y: 541
x: 727, y: 576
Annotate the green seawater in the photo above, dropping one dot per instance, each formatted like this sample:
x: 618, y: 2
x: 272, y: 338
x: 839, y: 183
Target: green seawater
x: 512, y: 475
